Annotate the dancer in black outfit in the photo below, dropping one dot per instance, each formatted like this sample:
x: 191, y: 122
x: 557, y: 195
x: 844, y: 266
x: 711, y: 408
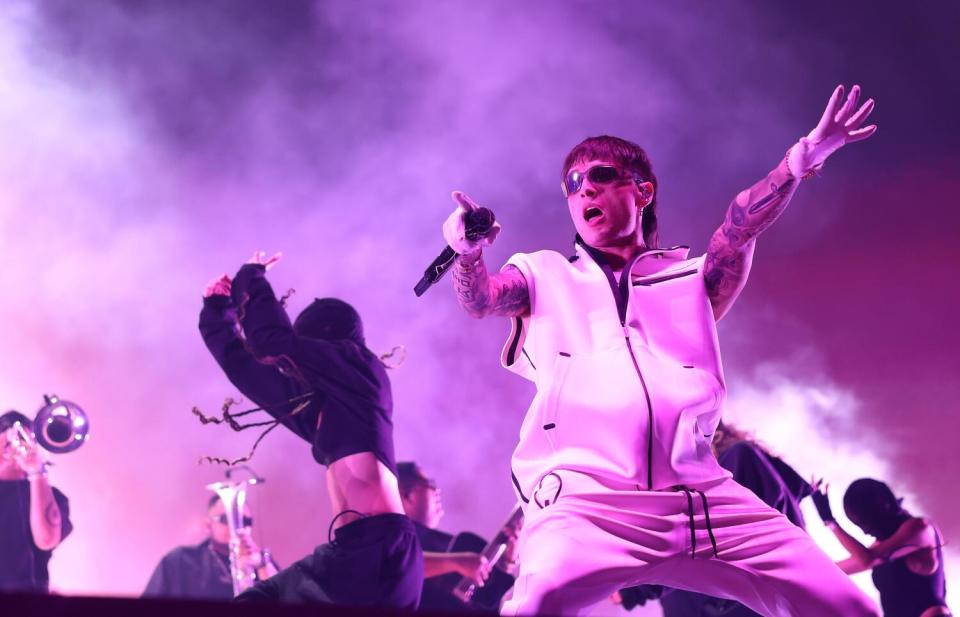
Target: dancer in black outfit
x: 906, y: 559
x: 317, y: 377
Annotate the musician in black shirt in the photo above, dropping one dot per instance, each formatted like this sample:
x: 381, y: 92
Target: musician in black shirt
x: 34, y: 516
x: 447, y: 558
x: 203, y: 570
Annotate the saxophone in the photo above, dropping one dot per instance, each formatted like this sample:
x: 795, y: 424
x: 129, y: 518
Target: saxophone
x: 234, y: 496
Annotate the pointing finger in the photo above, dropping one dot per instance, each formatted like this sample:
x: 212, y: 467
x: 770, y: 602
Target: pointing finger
x: 464, y: 201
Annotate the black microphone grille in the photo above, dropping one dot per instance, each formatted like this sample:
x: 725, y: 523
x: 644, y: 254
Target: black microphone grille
x: 478, y: 223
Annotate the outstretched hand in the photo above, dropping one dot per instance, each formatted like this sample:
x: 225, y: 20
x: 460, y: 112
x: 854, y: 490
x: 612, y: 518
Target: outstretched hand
x: 455, y: 228
x: 260, y: 258
x: 840, y: 125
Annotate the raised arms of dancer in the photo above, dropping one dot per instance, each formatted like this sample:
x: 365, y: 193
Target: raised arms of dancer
x: 912, y: 535
x: 479, y: 292
x: 218, y: 327
x: 261, y: 382
x: 730, y: 251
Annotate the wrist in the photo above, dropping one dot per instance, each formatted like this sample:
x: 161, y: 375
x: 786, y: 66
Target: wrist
x: 35, y: 474
x: 470, y: 259
x: 797, y: 169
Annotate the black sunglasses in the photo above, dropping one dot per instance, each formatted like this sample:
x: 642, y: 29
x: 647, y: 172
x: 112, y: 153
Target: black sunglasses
x: 222, y: 519
x: 598, y: 174
x: 428, y: 483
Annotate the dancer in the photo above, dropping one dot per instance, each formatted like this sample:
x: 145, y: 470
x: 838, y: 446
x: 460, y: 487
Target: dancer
x: 317, y: 377
x: 203, y: 571
x: 34, y: 515
x: 906, y: 559
x: 614, y: 458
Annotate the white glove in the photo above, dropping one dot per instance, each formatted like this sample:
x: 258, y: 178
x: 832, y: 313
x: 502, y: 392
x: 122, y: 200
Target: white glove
x: 454, y: 228
x: 838, y: 126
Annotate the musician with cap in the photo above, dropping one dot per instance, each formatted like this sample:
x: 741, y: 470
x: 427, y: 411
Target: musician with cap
x: 34, y: 516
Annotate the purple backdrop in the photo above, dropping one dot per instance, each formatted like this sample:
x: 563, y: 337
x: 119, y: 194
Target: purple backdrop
x: 147, y: 147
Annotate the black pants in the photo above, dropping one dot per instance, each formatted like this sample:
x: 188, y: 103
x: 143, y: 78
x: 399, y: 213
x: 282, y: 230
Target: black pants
x: 375, y: 561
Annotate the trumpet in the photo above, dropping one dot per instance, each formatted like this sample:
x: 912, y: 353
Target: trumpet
x: 59, y: 427
x: 233, y: 494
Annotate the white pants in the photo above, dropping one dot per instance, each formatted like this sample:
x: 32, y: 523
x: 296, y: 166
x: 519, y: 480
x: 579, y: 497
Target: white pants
x: 583, y: 540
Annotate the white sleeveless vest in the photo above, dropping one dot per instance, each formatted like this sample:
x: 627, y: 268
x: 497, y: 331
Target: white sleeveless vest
x: 633, y: 402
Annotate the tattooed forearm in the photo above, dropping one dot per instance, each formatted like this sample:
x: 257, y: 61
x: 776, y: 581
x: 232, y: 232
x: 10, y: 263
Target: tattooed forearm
x: 482, y: 294
x: 756, y: 209
x: 45, y: 516
x: 730, y: 251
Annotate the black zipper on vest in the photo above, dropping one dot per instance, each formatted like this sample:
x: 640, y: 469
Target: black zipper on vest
x: 621, y: 294
x: 516, y: 483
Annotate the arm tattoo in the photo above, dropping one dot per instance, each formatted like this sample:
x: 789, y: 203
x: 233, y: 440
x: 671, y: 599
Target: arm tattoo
x: 482, y: 294
x: 730, y: 251
x: 52, y: 515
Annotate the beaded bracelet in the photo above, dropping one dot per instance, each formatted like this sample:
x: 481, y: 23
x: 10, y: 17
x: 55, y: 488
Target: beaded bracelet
x: 38, y: 474
x: 814, y: 171
x: 470, y: 260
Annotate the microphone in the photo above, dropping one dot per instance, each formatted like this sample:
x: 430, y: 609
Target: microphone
x: 478, y: 224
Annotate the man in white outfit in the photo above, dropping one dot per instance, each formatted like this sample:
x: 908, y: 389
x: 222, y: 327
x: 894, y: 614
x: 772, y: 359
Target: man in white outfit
x: 614, y: 460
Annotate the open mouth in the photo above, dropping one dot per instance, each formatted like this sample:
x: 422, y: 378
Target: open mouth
x: 591, y: 213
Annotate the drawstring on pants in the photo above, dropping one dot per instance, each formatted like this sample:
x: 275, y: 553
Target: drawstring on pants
x: 706, y: 515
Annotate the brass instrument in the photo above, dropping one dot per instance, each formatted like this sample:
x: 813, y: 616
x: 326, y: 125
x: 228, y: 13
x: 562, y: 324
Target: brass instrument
x: 233, y: 494
x: 59, y: 427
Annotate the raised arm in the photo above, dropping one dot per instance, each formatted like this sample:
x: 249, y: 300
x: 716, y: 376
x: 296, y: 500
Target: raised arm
x: 479, y: 292
x: 912, y: 535
x: 48, y: 525
x: 908, y: 538
x: 264, y: 320
x: 262, y: 383
x: 730, y: 251
x: 221, y: 334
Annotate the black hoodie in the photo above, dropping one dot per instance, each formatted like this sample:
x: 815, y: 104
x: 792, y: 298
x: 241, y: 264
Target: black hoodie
x: 350, y: 409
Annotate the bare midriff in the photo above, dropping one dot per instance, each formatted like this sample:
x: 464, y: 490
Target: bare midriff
x: 362, y: 483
